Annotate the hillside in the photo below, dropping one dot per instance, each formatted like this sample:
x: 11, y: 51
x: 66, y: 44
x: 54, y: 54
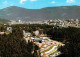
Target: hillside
x: 64, y: 12
x: 3, y: 21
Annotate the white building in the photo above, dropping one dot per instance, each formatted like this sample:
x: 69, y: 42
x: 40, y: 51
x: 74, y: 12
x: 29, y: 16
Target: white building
x: 26, y: 34
x: 77, y: 22
x: 36, y: 33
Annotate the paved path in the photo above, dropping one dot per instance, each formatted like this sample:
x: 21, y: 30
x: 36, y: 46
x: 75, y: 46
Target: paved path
x: 51, y: 50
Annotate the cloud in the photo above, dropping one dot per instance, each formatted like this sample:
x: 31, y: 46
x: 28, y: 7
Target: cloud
x: 53, y: 2
x: 8, y: 3
x: 21, y: 1
x: 5, y: 2
x: 33, y: 0
x: 70, y: 1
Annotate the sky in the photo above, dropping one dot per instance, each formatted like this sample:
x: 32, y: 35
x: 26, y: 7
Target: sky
x: 37, y: 4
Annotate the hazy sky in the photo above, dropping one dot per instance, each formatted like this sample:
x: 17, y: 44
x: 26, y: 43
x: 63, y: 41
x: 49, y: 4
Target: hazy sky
x: 37, y: 4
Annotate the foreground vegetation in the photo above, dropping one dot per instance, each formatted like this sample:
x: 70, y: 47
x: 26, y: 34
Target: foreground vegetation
x: 13, y: 45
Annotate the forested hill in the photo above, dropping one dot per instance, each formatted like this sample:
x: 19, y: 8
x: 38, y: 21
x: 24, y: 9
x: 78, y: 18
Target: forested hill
x: 62, y: 12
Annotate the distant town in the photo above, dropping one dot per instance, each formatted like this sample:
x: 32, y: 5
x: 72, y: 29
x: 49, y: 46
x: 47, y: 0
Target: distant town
x: 55, y: 22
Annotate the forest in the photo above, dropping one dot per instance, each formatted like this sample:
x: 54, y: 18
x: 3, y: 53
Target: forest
x: 13, y: 45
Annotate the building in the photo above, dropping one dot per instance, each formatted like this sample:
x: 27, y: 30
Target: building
x: 77, y: 22
x: 26, y: 34
x: 36, y: 32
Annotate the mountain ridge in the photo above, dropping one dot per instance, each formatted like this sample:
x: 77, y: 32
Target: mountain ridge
x: 62, y: 12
